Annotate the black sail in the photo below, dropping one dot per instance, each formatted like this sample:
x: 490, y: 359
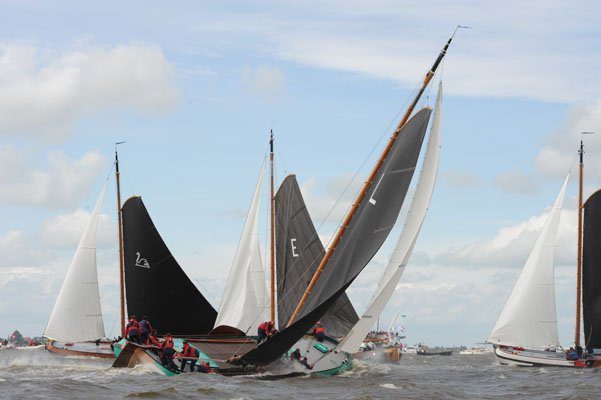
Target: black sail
x: 299, y: 251
x: 365, y: 234
x: 591, y: 271
x: 155, y: 284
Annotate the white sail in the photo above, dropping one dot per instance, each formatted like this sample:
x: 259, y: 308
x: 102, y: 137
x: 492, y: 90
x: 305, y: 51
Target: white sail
x: 77, y: 316
x: 402, y: 252
x: 245, y: 302
x: 529, y: 318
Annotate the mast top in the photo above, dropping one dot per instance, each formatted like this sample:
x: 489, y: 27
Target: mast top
x: 581, y: 150
x: 271, y: 140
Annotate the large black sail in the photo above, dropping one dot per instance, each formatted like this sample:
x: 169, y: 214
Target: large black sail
x: 299, y: 251
x: 365, y: 234
x: 591, y: 271
x: 155, y: 284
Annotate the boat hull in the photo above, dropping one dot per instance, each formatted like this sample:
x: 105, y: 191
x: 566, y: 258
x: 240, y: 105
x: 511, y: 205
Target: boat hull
x: 535, y: 358
x: 388, y: 355
x: 323, y: 356
x: 84, y: 349
x: 434, y: 353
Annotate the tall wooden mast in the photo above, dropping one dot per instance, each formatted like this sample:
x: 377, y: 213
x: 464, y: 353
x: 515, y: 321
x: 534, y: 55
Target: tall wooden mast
x: 272, y: 231
x: 121, y: 263
x: 370, y: 179
x: 579, y: 258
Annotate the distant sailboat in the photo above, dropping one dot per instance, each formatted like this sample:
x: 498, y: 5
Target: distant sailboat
x: 75, y: 326
x: 525, y: 333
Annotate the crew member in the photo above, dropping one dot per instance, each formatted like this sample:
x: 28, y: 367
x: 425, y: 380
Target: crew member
x: 145, y: 329
x: 167, y: 353
x: 152, y: 339
x: 204, y: 367
x: 296, y: 355
x: 264, y: 331
x: 132, y: 330
x: 188, y: 352
x: 319, y: 332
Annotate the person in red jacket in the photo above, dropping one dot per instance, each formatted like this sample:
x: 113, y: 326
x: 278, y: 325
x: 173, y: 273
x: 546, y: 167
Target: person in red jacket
x: 265, y: 330
x: 132, y: 330
x: 153, y: 340
x: 185, y: 355
x: 319, y: 332
x: 167, y: 352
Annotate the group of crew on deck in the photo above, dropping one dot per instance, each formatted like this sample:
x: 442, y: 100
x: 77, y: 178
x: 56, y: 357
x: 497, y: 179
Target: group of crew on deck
x: 142, y: 333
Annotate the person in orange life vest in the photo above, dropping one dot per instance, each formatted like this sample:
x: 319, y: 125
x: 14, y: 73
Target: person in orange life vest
x: 188, y: 351
x: 152, y: 339
x: 132, y: 330
x: 145, y: 329
x: 167, y: 352
x: 319, y: 332
x: 264, y: 330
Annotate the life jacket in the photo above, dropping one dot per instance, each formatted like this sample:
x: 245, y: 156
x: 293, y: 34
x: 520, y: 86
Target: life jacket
x: 167, y: 344
x: 188, y: 351
x: 132, y: 327
x: 264, y: 326
x: 320, y: 329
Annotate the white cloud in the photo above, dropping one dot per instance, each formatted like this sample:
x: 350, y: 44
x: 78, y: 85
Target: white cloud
x: 43, y: 92
x: 65, y: 230
x: 19, y: 250
x: 461, y: 179
x: 268, y: 82
x: 512, y: 244
x: 504, y: 55
x: 516, y: 182
x: 63, y: 184
x: 560, y: 152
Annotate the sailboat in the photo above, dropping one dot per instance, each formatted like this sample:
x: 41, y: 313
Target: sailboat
x: 361, y: 234
x: 525, y: 333
x: 404, y: 247
x: 75, y: 327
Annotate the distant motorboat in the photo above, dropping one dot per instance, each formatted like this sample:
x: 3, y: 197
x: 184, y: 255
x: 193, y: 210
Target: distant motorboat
x: 424, y: 352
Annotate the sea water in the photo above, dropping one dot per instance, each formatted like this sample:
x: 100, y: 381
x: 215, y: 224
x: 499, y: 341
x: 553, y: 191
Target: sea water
x: 38, y: 374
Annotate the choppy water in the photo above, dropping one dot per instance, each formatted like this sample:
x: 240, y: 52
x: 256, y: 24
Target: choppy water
x: 38, y: 374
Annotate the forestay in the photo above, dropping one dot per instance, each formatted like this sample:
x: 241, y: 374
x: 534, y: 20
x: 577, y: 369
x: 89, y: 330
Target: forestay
x: 299, y: 251
x: 77, y: 316
x: 407, y: 239
x: 366, y: 232
x: 245, y: 302
x: 155, y: 284
x: 529, y: 318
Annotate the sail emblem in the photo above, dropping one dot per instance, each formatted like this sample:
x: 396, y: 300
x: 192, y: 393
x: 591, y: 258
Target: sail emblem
x: 293, y: 247
x: 141, y: 262
x: 371, y: 198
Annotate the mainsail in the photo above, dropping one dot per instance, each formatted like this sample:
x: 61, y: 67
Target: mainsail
x: 155, y: 284
x: 299, y: 251
x: 373, y: 220
x: 529, y: 318
x: 591, y: 271
x: 245, y: 302
x: 407, y: 239
x: 77, y: 316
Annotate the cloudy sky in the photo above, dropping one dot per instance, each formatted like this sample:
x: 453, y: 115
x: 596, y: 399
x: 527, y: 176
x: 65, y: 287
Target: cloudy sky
x: 194, y: 88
